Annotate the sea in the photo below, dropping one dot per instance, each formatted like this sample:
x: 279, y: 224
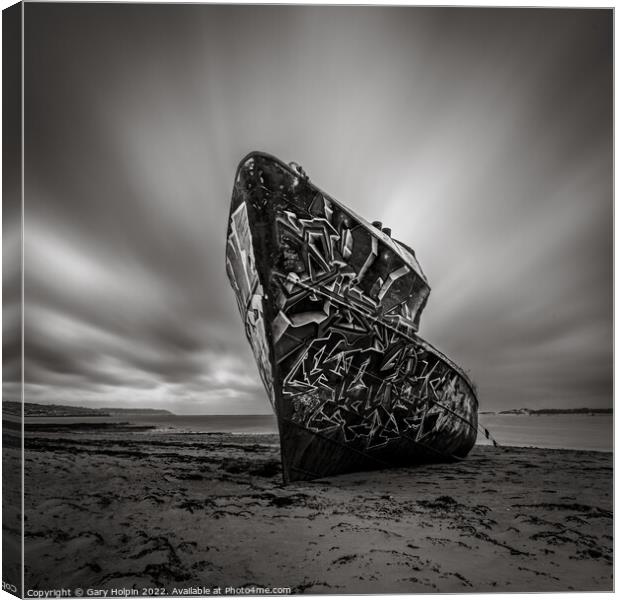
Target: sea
x: 578, y: 432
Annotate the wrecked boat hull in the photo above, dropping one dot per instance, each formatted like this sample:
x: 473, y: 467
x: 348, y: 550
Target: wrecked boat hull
x: 331, y: 307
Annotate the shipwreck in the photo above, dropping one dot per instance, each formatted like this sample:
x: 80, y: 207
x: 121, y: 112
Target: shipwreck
x: 331, y: 306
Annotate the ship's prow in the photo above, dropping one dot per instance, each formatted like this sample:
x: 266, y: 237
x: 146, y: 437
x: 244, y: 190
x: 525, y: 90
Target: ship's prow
x: 331, y: 306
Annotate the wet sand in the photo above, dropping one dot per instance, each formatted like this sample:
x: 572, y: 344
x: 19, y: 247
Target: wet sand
x: 112, y: 508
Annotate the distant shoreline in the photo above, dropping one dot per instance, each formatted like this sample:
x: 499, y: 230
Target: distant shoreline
x: 549, y: 411
x: 34, y: 410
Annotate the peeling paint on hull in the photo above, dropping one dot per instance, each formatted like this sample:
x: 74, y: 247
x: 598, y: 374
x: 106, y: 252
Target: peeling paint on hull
x: 331, y: 307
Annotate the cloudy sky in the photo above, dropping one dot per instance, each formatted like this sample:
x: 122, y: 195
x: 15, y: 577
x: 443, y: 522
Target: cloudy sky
x: 482, y: 137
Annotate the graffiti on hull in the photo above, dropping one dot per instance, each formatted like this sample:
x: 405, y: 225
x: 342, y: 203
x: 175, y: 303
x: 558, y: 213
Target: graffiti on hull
x: 343, y: 302
x: 345, y: 343
x: 244, y: 278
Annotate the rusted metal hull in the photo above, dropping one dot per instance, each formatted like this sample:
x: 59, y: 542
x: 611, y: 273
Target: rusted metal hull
x: 331, y: 307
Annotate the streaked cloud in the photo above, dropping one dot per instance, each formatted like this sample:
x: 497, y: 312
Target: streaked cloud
x: 482, y: 137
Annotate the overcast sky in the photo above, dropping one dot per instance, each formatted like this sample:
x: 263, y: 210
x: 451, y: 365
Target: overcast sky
x: 483, y: 138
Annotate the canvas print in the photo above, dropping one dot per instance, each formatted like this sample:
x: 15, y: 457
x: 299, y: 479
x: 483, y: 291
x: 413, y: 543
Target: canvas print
x: 306, y: 300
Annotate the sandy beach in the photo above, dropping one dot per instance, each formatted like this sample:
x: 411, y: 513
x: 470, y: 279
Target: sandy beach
x: 126, y: 507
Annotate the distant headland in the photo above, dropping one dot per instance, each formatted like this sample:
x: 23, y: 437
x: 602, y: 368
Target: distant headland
x: 58, y: 410
x: 550, y: 411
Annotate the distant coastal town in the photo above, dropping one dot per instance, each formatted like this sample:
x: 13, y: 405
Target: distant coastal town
x: 550, y: 411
